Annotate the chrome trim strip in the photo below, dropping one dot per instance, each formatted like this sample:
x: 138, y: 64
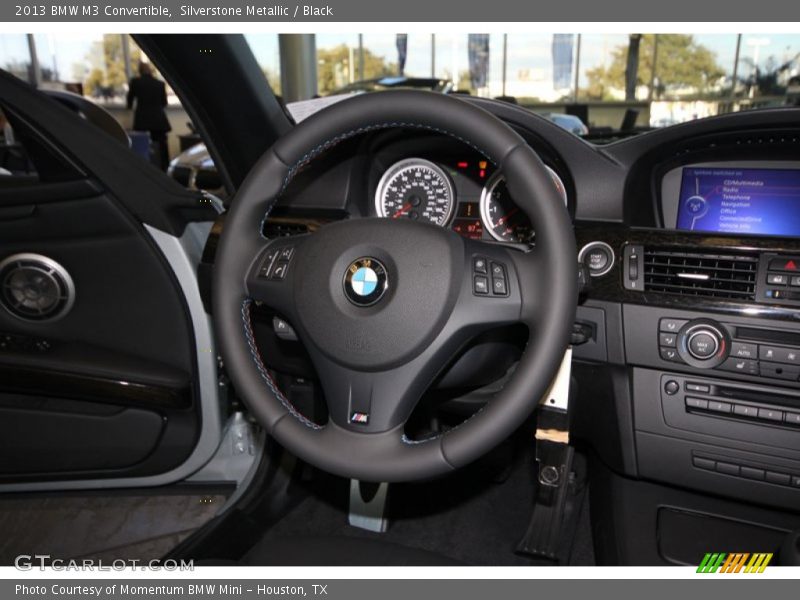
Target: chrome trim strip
x: 696, y: 276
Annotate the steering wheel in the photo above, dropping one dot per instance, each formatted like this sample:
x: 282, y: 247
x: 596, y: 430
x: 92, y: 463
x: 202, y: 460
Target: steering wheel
x: 383, y: 305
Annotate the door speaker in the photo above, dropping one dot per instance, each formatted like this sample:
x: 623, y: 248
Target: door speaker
x: 35, y: 288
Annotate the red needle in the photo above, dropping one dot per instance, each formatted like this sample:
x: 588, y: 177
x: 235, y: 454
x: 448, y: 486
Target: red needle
x: 502, y: 220
x: 402, y: 210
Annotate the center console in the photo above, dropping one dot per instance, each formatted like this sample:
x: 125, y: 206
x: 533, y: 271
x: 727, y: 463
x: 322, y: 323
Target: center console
x: 709, y: 340
x: 695, y: 355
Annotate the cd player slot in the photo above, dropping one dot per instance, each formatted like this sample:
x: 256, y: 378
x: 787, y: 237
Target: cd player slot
x: 756, y: 396
x: 767, y: 335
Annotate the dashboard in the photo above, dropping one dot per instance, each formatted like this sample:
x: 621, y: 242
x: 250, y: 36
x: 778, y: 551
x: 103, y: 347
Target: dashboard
x: 686, y: 348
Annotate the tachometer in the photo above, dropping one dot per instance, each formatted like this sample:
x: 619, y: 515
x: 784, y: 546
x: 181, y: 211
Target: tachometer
x: 418, y: 189
x: 501, y: 217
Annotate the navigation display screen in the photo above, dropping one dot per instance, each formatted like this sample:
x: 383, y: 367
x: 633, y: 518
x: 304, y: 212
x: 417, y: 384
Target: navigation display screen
x: 745, y: 201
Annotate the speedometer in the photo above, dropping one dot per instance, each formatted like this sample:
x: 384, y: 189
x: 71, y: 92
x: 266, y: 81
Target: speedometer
x: 417, y: 189
x: 502, y: 218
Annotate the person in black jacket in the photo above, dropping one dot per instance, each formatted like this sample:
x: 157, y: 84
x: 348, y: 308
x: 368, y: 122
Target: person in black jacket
x: 150, y: 95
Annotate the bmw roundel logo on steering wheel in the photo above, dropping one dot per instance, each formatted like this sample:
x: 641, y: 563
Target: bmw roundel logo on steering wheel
x: 365, y: 281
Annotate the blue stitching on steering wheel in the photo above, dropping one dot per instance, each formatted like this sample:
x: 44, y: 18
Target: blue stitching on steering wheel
x: 293, y: 170
x: 251, y: 342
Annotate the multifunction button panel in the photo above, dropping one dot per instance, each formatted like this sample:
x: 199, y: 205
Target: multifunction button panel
x: 706, y: 344
x: 489, y: 277
x: 276, y: 263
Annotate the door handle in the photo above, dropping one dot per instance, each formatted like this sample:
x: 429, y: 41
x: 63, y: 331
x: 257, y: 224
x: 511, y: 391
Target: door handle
x: 12, y: 213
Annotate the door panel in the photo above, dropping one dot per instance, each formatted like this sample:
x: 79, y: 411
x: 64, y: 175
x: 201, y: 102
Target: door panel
x: 106, y: 388
x: 89, y: 436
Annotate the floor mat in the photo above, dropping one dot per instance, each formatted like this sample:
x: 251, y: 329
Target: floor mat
x: 142, y: 527
x: 470, y: 516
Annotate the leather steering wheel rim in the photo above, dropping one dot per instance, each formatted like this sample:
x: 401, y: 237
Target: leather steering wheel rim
x: 544, y: 294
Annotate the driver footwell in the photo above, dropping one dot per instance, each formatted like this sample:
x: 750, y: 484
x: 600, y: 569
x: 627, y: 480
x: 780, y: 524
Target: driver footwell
x: 476, y: 516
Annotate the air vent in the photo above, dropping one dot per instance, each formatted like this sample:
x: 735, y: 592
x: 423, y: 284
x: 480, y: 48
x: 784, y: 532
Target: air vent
x: 276, y: 229
x: 699, y: 274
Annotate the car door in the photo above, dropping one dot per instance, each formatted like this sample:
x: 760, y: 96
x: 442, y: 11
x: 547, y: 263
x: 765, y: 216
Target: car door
x: 107, y: 365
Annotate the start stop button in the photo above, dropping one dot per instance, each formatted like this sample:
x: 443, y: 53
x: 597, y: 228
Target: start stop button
x: 598, y: 258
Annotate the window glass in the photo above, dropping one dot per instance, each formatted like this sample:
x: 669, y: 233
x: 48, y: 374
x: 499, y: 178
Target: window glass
x: 15, y: 56
x: 267, y: 54
x: 540, y: 68
x: 384, y: 53
x: 14, y: 161
x: 337, y: 61
x: 767, y: 64
x: 452, y: 60
x: 602, y: 67
x: 91, y: 65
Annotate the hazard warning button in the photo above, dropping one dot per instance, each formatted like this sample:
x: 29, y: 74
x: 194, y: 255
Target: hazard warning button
x: 789, y: 264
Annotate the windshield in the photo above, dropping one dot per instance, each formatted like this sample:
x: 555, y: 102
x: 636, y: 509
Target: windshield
x: 599, y: 86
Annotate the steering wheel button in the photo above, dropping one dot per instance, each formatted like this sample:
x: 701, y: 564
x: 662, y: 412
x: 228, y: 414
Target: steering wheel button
x: 479, y: 265
x: 283, y: 330
x: 481, y: 285
x: 279, y: 272
x: 498, y: 271
x: 499, y: 287
x: 269, y: 259
x: 286, y: 254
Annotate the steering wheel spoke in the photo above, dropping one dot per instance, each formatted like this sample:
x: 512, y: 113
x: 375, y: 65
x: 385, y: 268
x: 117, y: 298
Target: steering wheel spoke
x: 373, y: 402
x: 535, y: 284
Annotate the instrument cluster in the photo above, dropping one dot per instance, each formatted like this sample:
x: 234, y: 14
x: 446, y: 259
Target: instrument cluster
x: 467, y: 195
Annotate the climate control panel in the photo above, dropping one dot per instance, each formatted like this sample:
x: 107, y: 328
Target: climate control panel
x: 709, y: 344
